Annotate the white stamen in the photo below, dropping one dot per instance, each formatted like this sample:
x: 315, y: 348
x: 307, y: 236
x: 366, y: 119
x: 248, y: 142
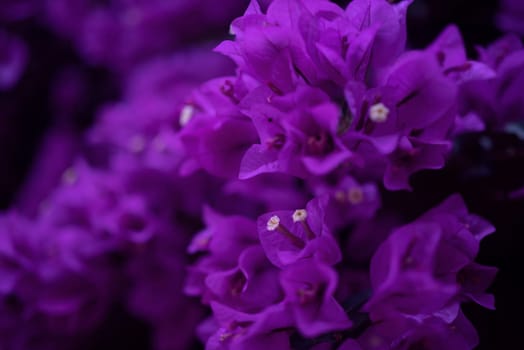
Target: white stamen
x: 137, y: 144
x: 378, y: 113
x: 273, y: 223
x: 225, y: 336
x: 299, y: 215
x: 186, y: 114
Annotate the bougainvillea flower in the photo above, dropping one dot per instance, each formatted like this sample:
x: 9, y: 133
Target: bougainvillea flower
x: 421, y: 267
x: 431, y: 333
x: 289, y: 236
x: 309, y: 287
x: 298, y: 134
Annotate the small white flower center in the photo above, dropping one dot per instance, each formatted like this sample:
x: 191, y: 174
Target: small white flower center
x: 186, y: 114
x: 378, y: 113
x: 225, y: 336
x: 273, y: 223
x: 299, y: 215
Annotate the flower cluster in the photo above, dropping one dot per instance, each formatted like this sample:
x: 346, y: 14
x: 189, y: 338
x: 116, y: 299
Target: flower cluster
x: 422, y: 272
x: 266, y: 278
x: 262, y: 195
x: 113, y: 230
x: 331, y: 97
x: 120, y: 34
x: 319, y: 88
x: 269, y: 280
